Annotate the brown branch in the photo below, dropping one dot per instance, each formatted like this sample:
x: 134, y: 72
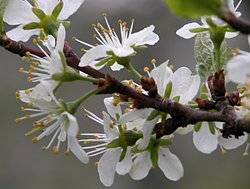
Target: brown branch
x: 181, y: 115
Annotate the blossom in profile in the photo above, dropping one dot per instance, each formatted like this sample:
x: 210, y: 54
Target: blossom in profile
x: 52, y: 119
x: 44, y: 14
x: 112, y: 50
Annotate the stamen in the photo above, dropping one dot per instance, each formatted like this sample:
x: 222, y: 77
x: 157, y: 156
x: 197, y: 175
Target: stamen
x: 246, y: 150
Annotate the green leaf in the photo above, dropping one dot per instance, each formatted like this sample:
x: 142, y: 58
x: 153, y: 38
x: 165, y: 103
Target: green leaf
x: 114, y: 144
x: 39, y: 13
x: 153, y: 115
x: 212, y: 127
x: 57, y: 9
x: 168, y: 90
x: 204, y: 54
x: 197, y: 126
x: 31, y: 26
x: 195, y: 8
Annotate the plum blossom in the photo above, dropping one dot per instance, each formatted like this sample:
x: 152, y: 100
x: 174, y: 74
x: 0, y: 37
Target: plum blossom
x: 112, y: 49
x: 54, y: 118
x: 186, y: 33
x: 20, y: 12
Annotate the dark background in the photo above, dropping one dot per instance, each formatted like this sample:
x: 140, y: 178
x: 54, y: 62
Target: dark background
x: 24, y: 166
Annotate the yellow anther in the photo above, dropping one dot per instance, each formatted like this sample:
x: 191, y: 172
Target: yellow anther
x: 245, y: 93
x: 34, y: 140
x: 40, y: 124
x: 74, y: 38
x: 66, y: 153
x: 35, y: 124
x: 85, y: 142
x: 27, y: 91
x: 127, y: 110
x: 120, y: 21
x: 124, y: 24
x: 82, y: 50
x: 17, y: 95
x: 131, y: 82
x: 146, y: 69
x: 23, y: 58
x: 135, y: 129
x: 116, y: 102
x: 32, y: 69
x: 43, y: 148
x: 29, y: 79
x: 104, y: 14
x: 35, y: 41
x: 153, y: 61
x: 20, y: 70
x: 55, y: 150
x: 139, y: 89
x: 237, y: 51
x: 245, y: 154
x: 27, y: 117
x: 127, y: 29
x: 30, y: 105
x: 94, y: 36
x: 171, y: 66
x: 38, y: 39
x: 111, y: 125
x: 46, y: 38
x: 93, y: 25
x: 96, y: 164
x: 22, y: 109
x: 49, y: 117
x: 28, y: 53
x: 18, y: 120
x: 133, y: 20
x: 223, y: 151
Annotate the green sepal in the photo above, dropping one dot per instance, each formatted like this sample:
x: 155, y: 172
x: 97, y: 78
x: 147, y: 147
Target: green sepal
x: 165, y: 142
x: 168, y: 90
x: 66, y: 24
x: 39, y: 13
x: 114, y: 143
x: 199, y: 30
x: 110, y: 62
x: 195, y: 8
x: 197, y: 126
x: 176, y: 98
x: 117, y: 116
x: 154, y: 156
x: 56, y: 11
x: 153, y: 115
x: 123, y: 154
x: 68, y: 75
x: 104, y: 61
x: 31, y: 26
x: 212, y: 127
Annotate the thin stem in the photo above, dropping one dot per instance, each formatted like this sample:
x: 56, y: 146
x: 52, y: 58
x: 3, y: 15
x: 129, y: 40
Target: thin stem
x: 218, y: 58
x: 132, y: 70
x: 88, y: 79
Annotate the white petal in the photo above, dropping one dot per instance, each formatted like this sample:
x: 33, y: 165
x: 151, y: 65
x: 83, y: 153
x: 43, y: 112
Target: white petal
x: 143, y: 37
x: 60, y: 38
x: 204, y: 140
x: 111, y: 132
x: 47, y: 5
x: 62, y: 136
x: 93, y: 54
x: 185, y: 130
x: 19, y: 34
x: 125, y: 165
x: 72, y: 124
x: 238, y: 68
x: 122, y: 52
x: 170, y: 164
x: 69, y: 8
x: 141, y: 166
x: 107, y: 166
x: 56, y: 65
x: 112, y: 110
x: 249, y: 39
x: 116, y: 67
x: 230, y: 35
x: 184, y: 85
x: 185, y: 30
x: 136, y: 114
x: 147, y: 130
x: 77, y: 150
x: 161, y: 75
x: 19, y: 12
x: 232, y: 142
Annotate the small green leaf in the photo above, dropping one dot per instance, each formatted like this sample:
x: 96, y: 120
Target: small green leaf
x: 197, y: 126
x: 57, y: 9
x: 176, y: 98
x: 31, y: 26
x: 204, y: 54
x: 153, y: 115
x: 195, y: 8
x: 114, y: 144
x: 212, y: 127
x: 168, y: 90
x: 39, y: 13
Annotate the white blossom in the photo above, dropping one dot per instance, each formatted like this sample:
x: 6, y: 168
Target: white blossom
x: 19, y: 12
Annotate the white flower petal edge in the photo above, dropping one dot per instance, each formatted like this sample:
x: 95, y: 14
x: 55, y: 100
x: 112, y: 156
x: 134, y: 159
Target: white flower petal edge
x: 185, y: 32
x: 204, y: 140
x: 170, y: 164
x: 107, y: 166
x: 125, y: 165
x: 141, y: 166
x: 232, y: 143
x: 69, y: 8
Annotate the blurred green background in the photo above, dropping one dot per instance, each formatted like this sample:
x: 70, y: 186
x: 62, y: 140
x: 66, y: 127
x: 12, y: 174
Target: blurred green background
x: 24, y: 166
